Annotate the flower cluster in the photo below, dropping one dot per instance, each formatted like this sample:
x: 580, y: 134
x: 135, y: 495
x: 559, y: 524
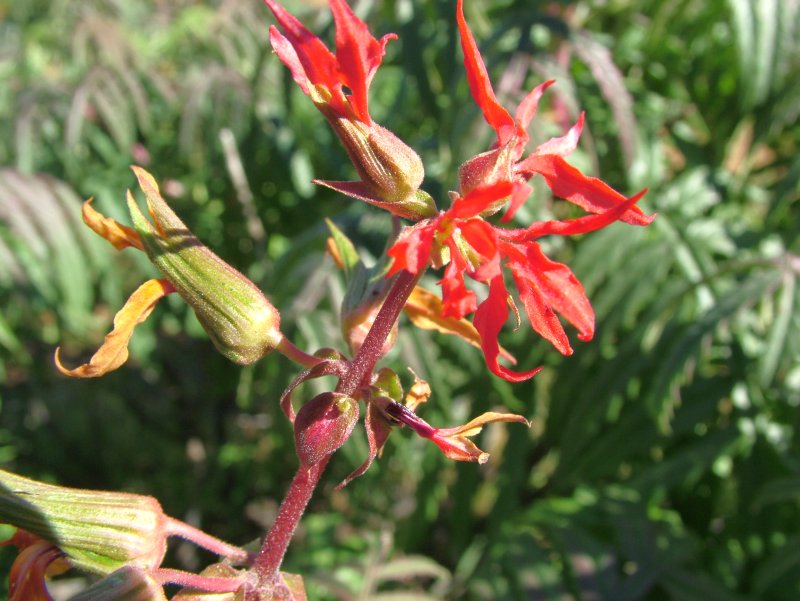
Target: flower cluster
x: 468, y: 244
x: 123, y: 537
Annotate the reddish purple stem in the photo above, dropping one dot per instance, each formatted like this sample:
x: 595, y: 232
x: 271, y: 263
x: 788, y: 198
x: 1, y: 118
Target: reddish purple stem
x: 270, y: 558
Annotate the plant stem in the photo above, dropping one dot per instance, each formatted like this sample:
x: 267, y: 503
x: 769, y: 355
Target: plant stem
x: 269, y: 559
x: 206, y: 541
x: 369, y: 353
x: 287, y: 348
x: 209, y: 584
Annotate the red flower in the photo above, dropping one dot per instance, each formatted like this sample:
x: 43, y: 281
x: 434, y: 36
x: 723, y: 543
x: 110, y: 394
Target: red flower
x: 338, y: 84
x: 504, y: 162
x: 461, y: 239
x: 322, y: 75
x: 478, y: 249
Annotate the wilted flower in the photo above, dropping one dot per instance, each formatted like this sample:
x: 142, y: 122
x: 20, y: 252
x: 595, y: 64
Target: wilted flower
x: 97, y: 531
x: 239, y: 319
x: 453, y: 442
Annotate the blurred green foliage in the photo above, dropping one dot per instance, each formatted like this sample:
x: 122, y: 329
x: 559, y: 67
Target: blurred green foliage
x: 663, y: 462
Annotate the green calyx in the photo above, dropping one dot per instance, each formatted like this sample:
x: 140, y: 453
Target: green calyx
x: 97, y: 531
x: 239, y: 319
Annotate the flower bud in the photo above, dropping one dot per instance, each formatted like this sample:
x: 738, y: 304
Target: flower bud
x: 485, y: 169
x: 129, y: 583
x: 97, y: 531
x: 241, y: 322
x: 391, y: 172
x: 322, y: 425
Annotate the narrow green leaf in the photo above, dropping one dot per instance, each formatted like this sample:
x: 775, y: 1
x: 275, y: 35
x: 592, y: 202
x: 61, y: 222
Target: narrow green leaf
x: 779, y: 333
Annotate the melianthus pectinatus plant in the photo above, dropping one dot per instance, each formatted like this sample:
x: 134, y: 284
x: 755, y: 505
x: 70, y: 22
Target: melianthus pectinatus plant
x: 122, y: 537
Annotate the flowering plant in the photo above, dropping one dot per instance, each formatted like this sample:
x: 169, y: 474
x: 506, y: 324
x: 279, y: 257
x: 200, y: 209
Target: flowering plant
x: 61, y: 528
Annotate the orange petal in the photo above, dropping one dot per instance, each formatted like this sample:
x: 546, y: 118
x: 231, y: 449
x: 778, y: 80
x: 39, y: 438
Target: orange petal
x: 114, y: 351
x: 118, y: 235
x: 454, y: 443
x: 424, y: 309
x: 474, y: 426
x: 330, y: 248
x: 419, y: 393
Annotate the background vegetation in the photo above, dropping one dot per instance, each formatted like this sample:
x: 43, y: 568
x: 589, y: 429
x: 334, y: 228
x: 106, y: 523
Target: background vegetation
x: 663, y: 462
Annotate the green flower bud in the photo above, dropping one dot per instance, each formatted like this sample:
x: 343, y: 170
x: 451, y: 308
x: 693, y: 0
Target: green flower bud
x: 322, y: 425
x: 129, y: 583
x: 241, y: 322
x: 97, y: 531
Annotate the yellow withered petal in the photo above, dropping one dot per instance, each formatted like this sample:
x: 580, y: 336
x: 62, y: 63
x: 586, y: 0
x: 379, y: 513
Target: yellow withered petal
x: 120, y: 236
x: 114, y: 351
x: 424, y: 309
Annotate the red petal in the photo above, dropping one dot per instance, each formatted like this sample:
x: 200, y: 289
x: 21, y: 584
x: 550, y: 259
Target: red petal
x: 412, y: 251
x: 589, y: 193
x: 358, y: 55
x: 457, y: 301
x: 481, y: 238
x: 478, y: 199
x: 519, y: 195
x: 565, y: 144
x: 490, y: 317
x: 572, y: 227
x: 480, y: 85
x: 302, y: 51
x: 546, y: 287
x: 527, y: 108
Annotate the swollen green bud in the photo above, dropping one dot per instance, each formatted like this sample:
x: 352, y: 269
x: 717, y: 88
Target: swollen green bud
x: 241, y: 322
x: 322, y: 425
x: 129, y: 583
x: 97, y: 531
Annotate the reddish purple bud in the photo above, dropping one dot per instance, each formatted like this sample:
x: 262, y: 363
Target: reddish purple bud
x: 322, y: 425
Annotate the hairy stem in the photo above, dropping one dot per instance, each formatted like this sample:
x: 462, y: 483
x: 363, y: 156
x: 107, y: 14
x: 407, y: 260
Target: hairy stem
x: 209, y: 584
x: 287, y: 348
x: 206, y: 541
x: 269, y: 559
x: 369, y: 353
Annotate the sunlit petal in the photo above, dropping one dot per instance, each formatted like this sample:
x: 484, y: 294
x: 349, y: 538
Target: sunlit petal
x: 490, y: 317
x: 589, y: 193
x: 120, y: 236
x: 424, y: 309
x: 114, y: 351
x: 480, y: 85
